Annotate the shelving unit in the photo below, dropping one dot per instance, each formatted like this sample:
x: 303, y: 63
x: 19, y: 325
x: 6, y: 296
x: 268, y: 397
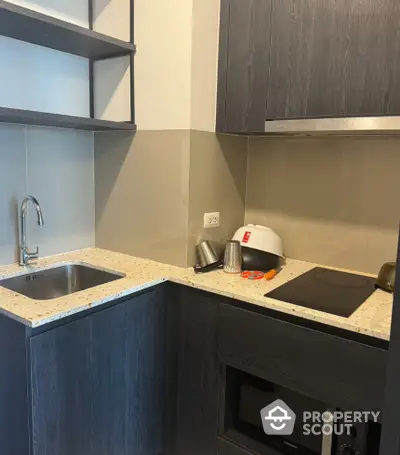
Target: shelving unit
x: 25, y: 117
x: 36, y: 28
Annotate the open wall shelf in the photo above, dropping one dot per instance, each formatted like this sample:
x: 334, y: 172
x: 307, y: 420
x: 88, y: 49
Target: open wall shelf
x: 32, y: 27
x: 40, y: 29
x: 21, y: 116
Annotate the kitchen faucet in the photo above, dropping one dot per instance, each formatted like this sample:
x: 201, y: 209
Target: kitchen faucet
x: 24, y: 255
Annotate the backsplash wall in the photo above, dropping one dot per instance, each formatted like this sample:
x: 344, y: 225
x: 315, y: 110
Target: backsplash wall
x: 217, y: 184
x: 152, y: 189
x: 57, y: 167
x: 334, y: 201
x: 142, y: 193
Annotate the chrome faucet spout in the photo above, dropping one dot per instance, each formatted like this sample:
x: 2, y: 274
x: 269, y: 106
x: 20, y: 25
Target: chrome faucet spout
x: 25, y: 256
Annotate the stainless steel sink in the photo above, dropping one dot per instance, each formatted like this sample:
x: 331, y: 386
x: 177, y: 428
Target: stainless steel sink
x: 58, y: 281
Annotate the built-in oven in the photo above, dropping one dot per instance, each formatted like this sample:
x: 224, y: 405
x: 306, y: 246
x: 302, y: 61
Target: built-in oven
x: 319, y: 428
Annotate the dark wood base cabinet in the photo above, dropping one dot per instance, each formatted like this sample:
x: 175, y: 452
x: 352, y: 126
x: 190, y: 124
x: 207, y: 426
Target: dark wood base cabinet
x: 97, y: 383
x: 152, y: 375
x: 335, y: 370
x: 14, y: 428
x: 198, y: 378
x: 93, y: 386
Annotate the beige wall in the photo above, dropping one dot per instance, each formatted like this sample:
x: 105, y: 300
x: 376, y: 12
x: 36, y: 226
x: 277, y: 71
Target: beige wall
x: 112, y: 88
x: 334, y: 201
x: 205, y: 37
x: 169, y: 164
x: 176, y: 64
x: 217, y: 184
x: 163, y: 64
x: 153, y: 188
x: 111, y: 17
x: 142, y: 187
x: 331, y: 199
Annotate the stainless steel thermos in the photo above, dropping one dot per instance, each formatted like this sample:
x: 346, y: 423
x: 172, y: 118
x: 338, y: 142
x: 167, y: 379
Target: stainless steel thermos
x: 233, y: 257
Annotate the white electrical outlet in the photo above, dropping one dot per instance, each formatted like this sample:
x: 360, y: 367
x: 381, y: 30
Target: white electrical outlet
x: 211, y: 220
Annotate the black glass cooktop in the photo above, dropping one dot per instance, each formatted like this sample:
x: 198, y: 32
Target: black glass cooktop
x: 338, y: 293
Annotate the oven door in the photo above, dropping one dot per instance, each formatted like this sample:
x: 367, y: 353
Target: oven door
x: 255, y: 395
x: 245, y: 398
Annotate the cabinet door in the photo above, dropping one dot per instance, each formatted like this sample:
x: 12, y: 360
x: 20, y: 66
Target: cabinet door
x: 243, y: 65
x: 97, y: 383
x: 334, y: 58
x: 390, y: 440
x: 78, y: 386
x: 197, y: 410
x: 146, y: 367
x: 14, y: 435
x: 301, y: 358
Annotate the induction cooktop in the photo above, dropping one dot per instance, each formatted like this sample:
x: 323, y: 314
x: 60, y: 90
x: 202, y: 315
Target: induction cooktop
x: 338, y: 293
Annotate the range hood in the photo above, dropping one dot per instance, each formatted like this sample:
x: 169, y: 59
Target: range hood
x: 346, y: 126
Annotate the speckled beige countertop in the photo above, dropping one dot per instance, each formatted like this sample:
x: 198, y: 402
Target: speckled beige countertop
x: 372, y: 318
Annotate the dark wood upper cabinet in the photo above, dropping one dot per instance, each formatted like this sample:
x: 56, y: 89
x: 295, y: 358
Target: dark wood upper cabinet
x: 243, y: 65
x: 334, y: 58
x: 296, y: 59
